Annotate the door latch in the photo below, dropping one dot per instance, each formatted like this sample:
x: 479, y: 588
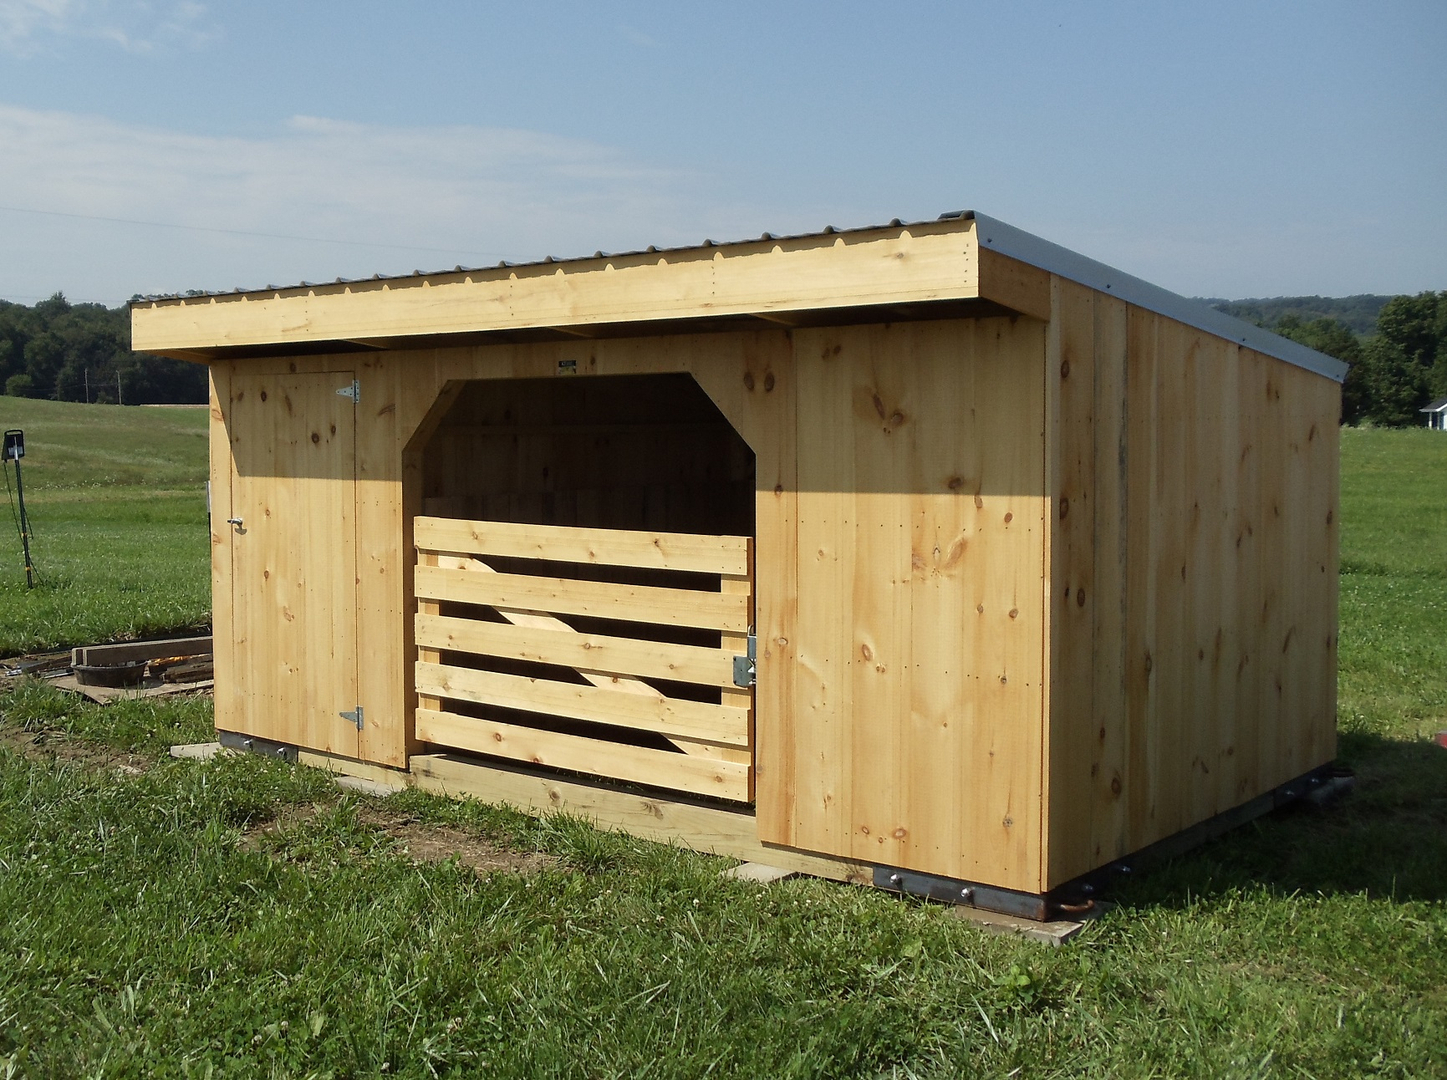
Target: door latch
x: 746, y: 668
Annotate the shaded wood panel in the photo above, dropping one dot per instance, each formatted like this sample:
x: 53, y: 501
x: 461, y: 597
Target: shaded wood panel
x: 228, y: 707
x: 624, y: 452
x: 914, y: 737
x: 293, y: 566
x: 1204, y: 673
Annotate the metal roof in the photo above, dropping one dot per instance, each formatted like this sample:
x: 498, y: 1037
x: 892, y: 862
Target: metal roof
x: 993, y: 234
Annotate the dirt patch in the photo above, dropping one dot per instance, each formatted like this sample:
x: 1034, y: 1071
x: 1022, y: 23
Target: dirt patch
x: 288, y: 819
x: 421, y: 841
x: 50, y: 745
x: 425, y: 843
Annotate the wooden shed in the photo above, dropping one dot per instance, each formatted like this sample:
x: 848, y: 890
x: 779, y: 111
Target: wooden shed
x: 933, y: 553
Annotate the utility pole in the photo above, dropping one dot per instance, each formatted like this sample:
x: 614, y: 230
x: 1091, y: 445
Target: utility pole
x: 87, y: 386
x: 119, y: 400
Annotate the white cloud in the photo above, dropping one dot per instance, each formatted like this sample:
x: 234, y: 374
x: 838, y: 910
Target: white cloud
x: 467, y: 194
x: 29, y: 26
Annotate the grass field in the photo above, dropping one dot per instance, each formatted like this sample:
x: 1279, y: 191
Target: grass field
x: 243, y: 918
x: 117, y: 504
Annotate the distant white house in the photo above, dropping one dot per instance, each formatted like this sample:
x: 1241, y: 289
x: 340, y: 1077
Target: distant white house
x: 1436, y: 414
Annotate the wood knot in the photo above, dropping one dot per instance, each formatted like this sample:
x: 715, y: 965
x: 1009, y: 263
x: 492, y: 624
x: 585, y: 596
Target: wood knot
x: 979, y: 503
x: 1009, y: 517
x: 748, y: 380
x: 955, y: 482
x: 1014, y: 613
x: 768, y: 381
x: 1064, y: 507
x: 1079, y: 597
x: 1065, y: 369
x: 316, y: 438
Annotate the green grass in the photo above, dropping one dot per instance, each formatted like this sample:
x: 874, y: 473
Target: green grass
x: 117, y: 504
x: 150, y: 931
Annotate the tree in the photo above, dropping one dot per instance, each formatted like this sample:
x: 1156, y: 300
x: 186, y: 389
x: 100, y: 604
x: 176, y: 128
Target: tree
x: 62, y: 347
x: 1407, y: 359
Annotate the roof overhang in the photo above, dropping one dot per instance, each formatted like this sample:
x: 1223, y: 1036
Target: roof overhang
x: 961, y: 264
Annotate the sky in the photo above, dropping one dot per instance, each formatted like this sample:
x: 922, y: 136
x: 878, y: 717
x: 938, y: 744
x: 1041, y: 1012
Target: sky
x: 1225, y: 149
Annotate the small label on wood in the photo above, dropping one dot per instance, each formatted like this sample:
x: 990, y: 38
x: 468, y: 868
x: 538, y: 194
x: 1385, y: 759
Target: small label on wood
x: 567, y: 367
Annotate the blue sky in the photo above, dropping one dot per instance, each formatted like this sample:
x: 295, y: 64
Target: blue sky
x: 1234, y: 149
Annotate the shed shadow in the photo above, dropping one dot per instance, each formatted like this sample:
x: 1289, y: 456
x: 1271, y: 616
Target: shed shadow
x: 1387, y: 838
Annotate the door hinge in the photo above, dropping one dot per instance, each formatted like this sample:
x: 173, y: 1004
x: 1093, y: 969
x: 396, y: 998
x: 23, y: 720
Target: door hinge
x: 354, y: 392
x: 354, y: 717
x: 746, y: 668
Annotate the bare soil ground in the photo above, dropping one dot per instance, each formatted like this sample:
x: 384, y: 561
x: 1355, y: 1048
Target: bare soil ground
x: 48, y: 744
x: 421, y: 841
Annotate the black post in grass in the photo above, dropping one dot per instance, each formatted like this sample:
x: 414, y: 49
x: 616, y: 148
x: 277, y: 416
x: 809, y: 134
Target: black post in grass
x: 14, y: 451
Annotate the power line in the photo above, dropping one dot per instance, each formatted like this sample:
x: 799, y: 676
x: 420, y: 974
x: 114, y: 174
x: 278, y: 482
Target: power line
x: 246, y: 232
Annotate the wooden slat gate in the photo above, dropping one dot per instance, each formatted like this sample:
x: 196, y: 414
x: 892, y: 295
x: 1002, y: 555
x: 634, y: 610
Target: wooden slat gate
x: 599, y: 651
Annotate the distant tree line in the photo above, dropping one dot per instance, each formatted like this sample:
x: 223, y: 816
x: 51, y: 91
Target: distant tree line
x: 82, y: 352
x: 1399, y: 360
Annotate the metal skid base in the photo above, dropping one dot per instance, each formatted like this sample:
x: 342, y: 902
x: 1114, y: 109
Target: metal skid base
x: 1078, y: 897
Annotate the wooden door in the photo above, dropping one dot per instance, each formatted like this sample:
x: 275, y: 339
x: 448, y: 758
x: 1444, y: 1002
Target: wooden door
x: 293, y: 560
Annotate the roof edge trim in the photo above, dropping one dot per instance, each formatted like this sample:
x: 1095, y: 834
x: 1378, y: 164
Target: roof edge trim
x: 1029, y: 248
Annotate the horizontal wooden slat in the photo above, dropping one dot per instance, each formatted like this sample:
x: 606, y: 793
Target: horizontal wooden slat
x: 702, y: 828
x: 698, y: 720
x: 566, y: 647
x: 600, y: 599
x: 608, y: 547
x: 639, y: 765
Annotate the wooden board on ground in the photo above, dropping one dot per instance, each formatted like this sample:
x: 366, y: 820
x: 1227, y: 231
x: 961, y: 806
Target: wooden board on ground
x: 104, y: 695
x: 717, y: 830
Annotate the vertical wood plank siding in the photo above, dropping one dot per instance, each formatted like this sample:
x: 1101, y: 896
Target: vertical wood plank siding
x: 1199, y: 668
x: 915, y: 728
